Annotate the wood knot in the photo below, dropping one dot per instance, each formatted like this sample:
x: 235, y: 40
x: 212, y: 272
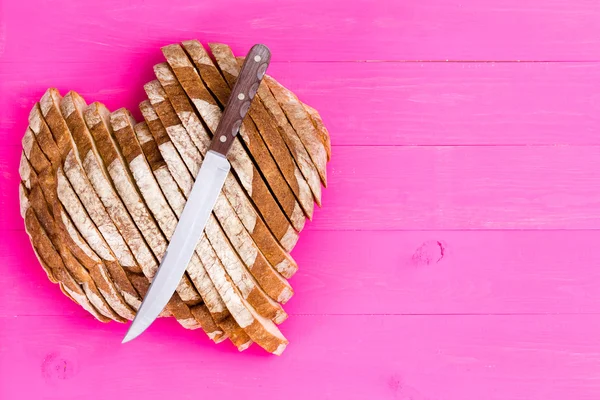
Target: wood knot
x: 59, y: 365
x: 430, y: 252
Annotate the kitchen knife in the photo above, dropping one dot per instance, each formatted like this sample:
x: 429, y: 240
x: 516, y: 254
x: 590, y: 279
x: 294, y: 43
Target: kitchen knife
x: 203, y: 196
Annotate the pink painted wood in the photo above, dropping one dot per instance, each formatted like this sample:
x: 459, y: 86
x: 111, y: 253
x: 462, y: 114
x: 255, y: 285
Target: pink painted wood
x: 430, y: 103
x: 359, y: 357
x: 308, y: 30
x: 455, y: 256
x: 439, y: 187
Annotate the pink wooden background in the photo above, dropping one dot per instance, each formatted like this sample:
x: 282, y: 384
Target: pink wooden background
x: 456, y: 255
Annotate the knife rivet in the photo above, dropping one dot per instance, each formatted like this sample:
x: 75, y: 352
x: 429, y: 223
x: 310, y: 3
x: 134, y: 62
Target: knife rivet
x: 223, y: 138
x: 261, y: 71
x: 257, y: 58
x: 244, y: 109
x: 241, y: 96
x: 252, y: 91
x: 236, y: 127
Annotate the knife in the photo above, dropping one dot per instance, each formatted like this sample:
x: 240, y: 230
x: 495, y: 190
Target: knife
x: 204, y: 194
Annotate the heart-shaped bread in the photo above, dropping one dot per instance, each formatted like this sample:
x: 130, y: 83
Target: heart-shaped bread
x: 101, y: 196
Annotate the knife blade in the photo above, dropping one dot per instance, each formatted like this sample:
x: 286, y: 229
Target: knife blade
x: 204, y: 193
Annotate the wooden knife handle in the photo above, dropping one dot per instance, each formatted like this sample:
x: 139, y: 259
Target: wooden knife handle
x: 244, y: 90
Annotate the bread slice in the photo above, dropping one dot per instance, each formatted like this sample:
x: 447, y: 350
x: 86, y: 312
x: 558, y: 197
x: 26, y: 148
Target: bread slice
x: 113, y: 251
x: 66, y: 232
x: 51, y: 261
x: 23, y: 207
x: 130, y: 153
x: 175, y: 131
x: 207, y: 106
x: 175, y: 204
x: 249, y: 177
x: 269, y: 133
x: 96, y: 117
x: 100, y: 124
x: 269, y: 279
x: 257, y: 328
x: 86, y: 153
x: 235, y: 268
x: 214, y: 332
x: 263, y: 237
x: 267, y: 166
x: 75, y: 268
x: 260, y: 329
x: 320, y: 127
x: 288, y: 133
x: 102, y: 295
x: 166, y: 147
x: 301, y: 120
x: 236, y: 334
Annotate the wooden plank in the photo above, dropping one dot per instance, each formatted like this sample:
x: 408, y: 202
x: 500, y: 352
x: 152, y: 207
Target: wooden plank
x: 375, y: 103
x: 446, y: 272
x: 450, y: 103
x: 28, y: 289
x: 360, y: 246
x: 438, y: 188
x: 25, y: 83
x: 550, y: 357
x: 309, y: 30
x: 431, y: 188
x: 489, y: 272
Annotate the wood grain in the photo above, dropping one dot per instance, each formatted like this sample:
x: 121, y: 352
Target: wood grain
x: 385, y: 357
x: 455, y: 254
x: 479, y: 272
x: 312, y: 30
x: 442, y: 187
x: 387, y: 103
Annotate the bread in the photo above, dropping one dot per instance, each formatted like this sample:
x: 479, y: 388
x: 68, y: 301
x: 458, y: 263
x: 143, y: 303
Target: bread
x: 212, y: 242
x: 266, y: 205
x: 322, y: 131
x: 259, y: 152
x: 83, y: 205
x: 103, y: 126
x: 167, y: 205
x: 241, y: 163
x: 303, y: 124
x: 267, y: 276
x: 292, y: 140
x: 256, y: 327
x: 47, y: 171
x: 101, y: 196
x: 268, y: 131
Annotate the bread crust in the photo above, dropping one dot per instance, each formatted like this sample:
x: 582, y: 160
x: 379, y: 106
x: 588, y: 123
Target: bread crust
x: 302, y: 123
